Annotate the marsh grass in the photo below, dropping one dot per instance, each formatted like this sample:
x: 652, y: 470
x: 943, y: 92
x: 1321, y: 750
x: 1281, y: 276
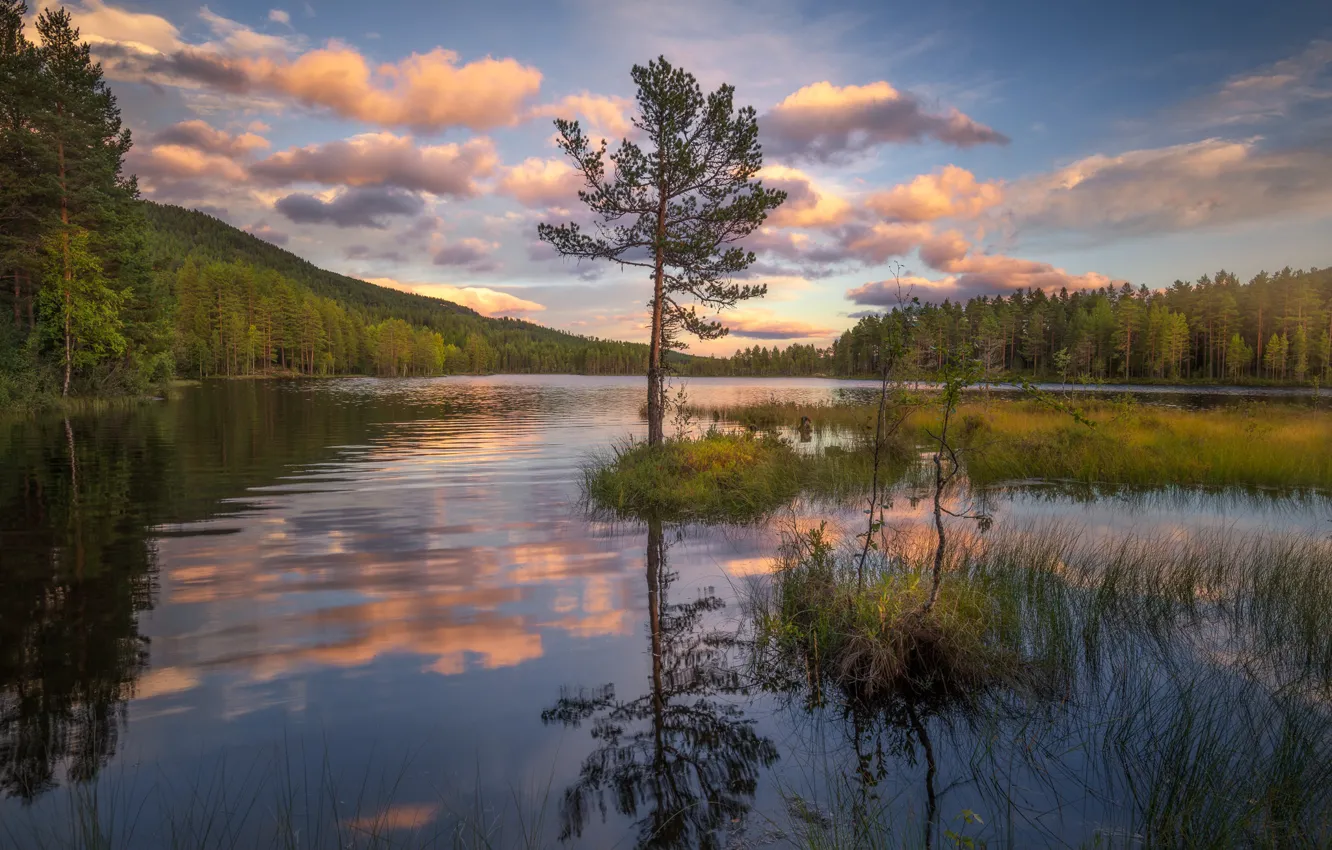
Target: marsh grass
x: 1268, y: 445
x: 1181, y: 685
x: 1273, y: 445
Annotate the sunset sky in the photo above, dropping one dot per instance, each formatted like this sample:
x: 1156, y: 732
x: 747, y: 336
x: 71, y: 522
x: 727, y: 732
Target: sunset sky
x: 985, y: 146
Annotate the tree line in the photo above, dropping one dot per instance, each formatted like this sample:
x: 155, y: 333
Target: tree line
x: 1274, y: 327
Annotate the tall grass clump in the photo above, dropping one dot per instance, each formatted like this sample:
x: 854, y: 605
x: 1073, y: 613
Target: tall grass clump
x: 1180, y: 686
x: 866, y: 631
x: 718, y: 477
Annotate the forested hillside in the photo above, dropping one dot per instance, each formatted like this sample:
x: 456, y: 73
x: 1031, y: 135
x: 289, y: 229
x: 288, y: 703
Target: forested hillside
x: 244, y: 306
x: 1275, y: 327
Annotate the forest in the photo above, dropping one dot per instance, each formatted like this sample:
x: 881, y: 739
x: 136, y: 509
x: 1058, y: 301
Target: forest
x: 1276, y: 328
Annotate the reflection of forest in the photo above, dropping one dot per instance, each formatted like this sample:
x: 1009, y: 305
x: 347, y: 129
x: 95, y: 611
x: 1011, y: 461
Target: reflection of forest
x: 681, y: 762
x: 81, y: 501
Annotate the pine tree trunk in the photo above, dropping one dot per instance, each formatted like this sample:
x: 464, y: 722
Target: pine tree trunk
x: 655, y: 390
x: 64, y: 244
x: 18, y: 313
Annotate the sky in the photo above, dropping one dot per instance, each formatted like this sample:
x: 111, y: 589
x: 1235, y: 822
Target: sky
x: 952, y: 148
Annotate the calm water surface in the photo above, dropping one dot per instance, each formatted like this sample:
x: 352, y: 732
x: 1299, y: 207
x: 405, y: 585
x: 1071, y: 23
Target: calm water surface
x: 391, y: 586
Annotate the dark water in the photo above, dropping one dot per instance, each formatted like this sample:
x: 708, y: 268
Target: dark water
x: 387, y: 592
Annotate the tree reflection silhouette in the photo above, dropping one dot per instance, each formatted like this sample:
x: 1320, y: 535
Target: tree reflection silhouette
x: 680, y: 761
x: 79, y: 568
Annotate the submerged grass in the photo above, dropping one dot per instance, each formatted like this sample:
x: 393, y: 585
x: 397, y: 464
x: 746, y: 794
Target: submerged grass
x: 1182, y: 685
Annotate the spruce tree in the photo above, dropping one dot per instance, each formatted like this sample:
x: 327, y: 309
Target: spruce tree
x: 25, y: 192
x: 80, y: 123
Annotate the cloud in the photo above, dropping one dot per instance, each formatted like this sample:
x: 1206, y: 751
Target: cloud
x: 880, y: 242
x: 541, y: 183
x: 1266, y: 93
x: 359, y: 207
x: 469, y: 253
x: 600, y: 116
x: 266, y: 233
x: 236, y: 38
x: 424, y: 91
x: 384, y: 159
x: 949, y: 193
x: 759, y: 326
x: 977, y: 273
x: 203, y: 137
x: 826, y: 122
x: 806, y: 206
x: 1183, y: 187
x: 486, y: 301
x: 365, y: 252
x: 279, y: 16
x: 428, y: 91
x: 162, y: 165
x: 894, y: 291
x: 140, y: 32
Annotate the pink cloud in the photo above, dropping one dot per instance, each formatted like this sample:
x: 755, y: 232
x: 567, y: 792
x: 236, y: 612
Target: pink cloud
x: 881, y: 242
x: 949, y: 193
x: 1180, y: 187
x: 541, y: 183
x: 976, y: 272
x: 424, y: 91
x: 469, y: 253
x: 427, y: 91
x: 827, y: 122
x: 384, y: 159
x: 895, y: 291
x: 763, y: 326
x: 203, y: 137
x: 806, y: 206
x: 601, y: 116
x: 486, y: 301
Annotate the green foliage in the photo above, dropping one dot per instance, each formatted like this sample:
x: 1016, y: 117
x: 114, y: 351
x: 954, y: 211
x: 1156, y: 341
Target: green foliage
x: 1254, y: 446
x: 865, y: 633
x: 1185, y: 332
x: 675, y: 208
x: 719, y: 477
x: 79, y: 314
x: 348, y: 308
x: 687, y: 197
x: 71, y: 244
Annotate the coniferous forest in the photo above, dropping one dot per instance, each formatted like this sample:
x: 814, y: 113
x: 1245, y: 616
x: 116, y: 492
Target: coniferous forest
x: 112, y: 294
x: 1272, y: 329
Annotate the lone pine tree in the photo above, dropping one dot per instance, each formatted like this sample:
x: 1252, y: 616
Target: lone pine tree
x: 675, y: 205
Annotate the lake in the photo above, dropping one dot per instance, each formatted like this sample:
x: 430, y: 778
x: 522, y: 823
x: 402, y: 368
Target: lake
x: 379, y: 609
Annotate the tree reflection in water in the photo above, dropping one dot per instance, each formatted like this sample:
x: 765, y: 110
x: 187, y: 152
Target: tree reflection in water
x: 79, y: 568
x: 681, y: 762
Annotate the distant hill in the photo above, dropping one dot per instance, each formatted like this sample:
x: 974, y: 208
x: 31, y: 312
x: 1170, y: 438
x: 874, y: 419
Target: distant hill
x: 176, y: 233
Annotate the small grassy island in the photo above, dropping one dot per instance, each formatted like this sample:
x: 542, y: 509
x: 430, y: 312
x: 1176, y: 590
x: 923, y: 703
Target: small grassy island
x: 719, y: 477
